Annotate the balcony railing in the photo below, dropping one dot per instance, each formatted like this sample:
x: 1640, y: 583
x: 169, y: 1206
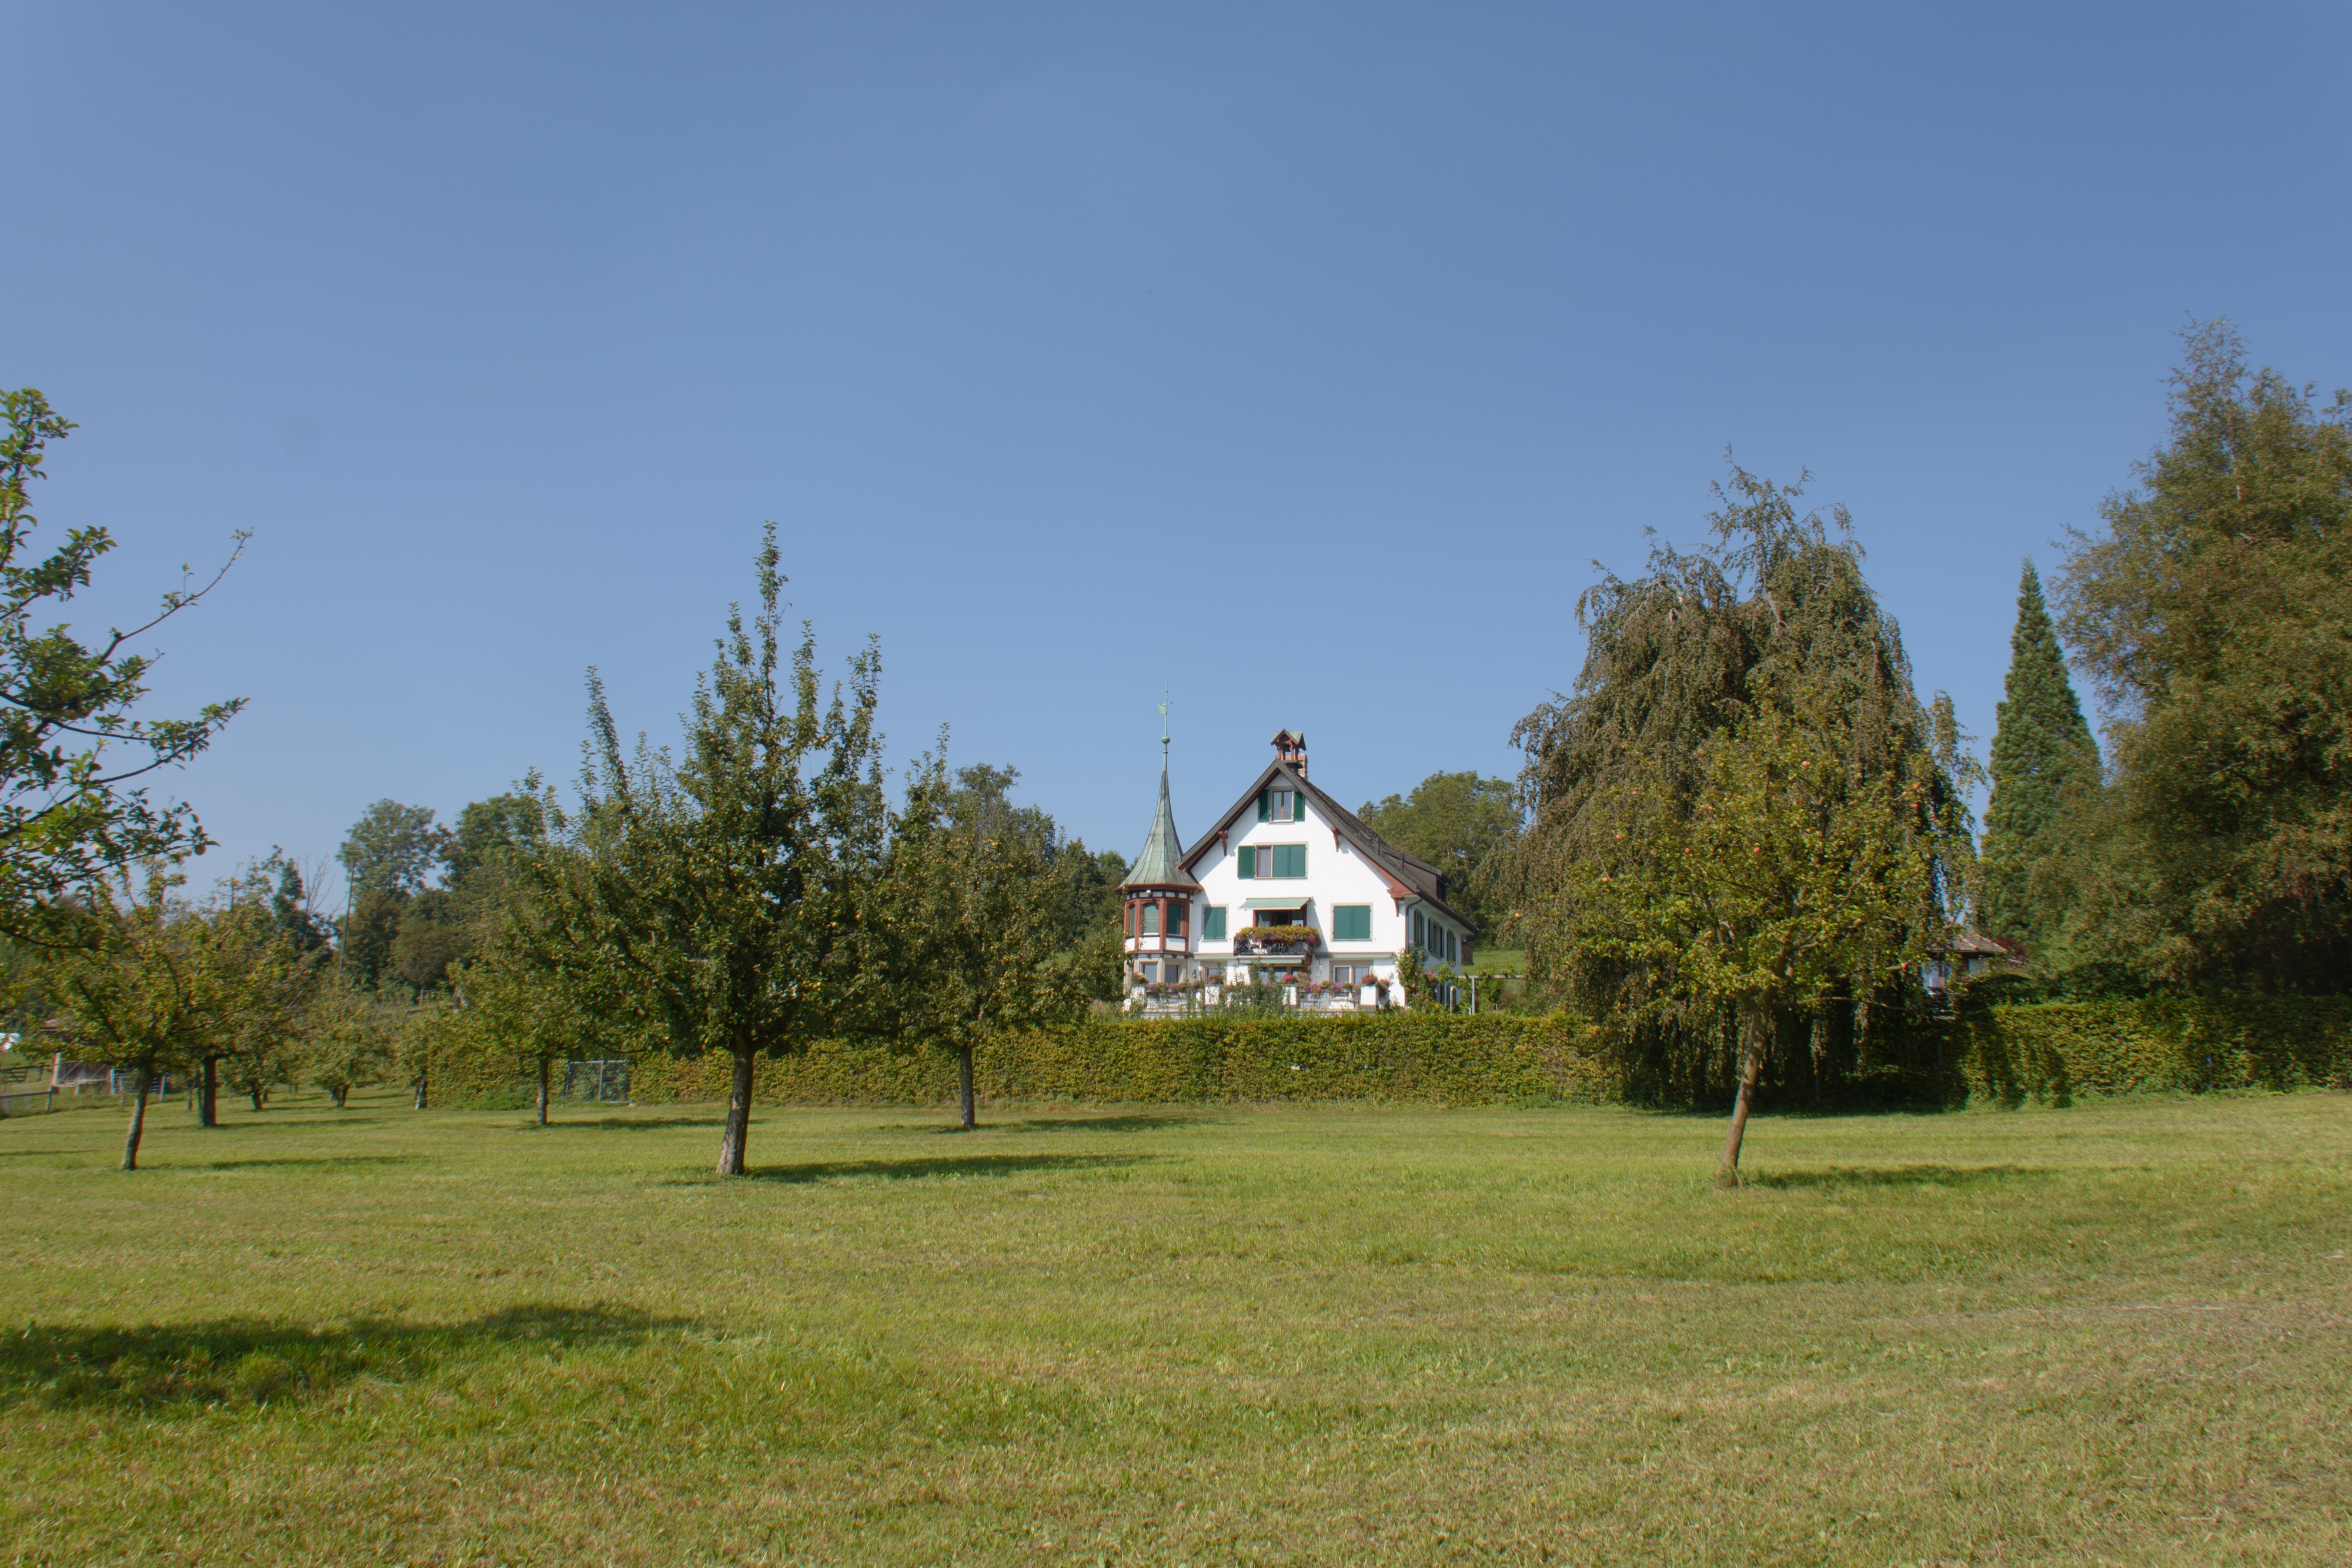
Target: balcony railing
x: 1156, y: 1001
x: 1276, y: 941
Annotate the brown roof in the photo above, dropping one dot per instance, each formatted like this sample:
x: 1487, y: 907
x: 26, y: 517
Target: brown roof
x: 1969, y: 943
x: 1415, y: 876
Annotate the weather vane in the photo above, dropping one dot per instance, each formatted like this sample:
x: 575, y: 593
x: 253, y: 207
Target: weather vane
x: 1165, y: 691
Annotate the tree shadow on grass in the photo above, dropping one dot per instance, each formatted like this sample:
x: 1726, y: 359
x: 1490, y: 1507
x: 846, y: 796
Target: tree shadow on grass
x: 1898, y: 1175
x: 1134, y: 1123
x: 557, y: 1124
x: 234, y: 1362
x: 238, y: 1116
x: 946, y: 1166
x: 290, y: 1160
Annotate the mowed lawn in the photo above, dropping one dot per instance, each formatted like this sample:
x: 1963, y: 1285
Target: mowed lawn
x: 2118, y: 1333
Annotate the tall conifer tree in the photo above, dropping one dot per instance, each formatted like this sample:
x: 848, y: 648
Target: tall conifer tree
x: 2043, y: 759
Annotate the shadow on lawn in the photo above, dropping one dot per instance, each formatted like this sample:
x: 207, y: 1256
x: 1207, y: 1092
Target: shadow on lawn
x: 1136, y: 1122
x: 1898, y: 1175
x: 250, y: 1362
x: 624, y: 1124
x: 946, y: 1166
x: 294, y: 1160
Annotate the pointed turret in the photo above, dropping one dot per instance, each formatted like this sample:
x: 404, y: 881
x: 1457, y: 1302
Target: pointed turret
x: 1158, y: 895
x: 1159, y: 864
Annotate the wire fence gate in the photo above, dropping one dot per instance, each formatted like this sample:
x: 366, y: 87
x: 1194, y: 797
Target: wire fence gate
x: 602, y: 1082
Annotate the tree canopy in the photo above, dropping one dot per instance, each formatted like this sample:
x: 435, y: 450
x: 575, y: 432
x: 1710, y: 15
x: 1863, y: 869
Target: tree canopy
x: 2213, y: 612
x: 1747, y: 828
x: 977, y: 901
x: 1455, y: 821
x: 72, y: 742
x: 729, y: 891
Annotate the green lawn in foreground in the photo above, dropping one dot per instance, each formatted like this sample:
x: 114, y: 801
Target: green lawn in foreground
x: 2116, y: 1332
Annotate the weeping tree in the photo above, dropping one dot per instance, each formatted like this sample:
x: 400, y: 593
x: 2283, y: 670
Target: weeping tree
x: 725, y: 894
x: 975, y: 894
x: 1746, y: 830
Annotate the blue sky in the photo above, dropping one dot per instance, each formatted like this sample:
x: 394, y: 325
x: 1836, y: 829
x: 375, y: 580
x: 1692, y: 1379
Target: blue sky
x: 1297, y: 358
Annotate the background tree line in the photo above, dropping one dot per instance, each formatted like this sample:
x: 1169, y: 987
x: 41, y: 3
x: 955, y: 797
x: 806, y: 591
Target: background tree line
x: 1747, y: 833
x: 1737, y: 842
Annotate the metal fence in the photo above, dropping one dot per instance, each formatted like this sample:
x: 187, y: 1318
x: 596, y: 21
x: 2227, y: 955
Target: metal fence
x: 603, y: 1082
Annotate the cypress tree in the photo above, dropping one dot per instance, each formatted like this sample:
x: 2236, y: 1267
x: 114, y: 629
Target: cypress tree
x: 2043, y: 759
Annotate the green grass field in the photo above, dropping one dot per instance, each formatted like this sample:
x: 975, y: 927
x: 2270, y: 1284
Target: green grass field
x: 2117, y: 1334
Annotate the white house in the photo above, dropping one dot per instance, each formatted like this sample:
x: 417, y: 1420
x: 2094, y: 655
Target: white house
x: 1341, y: 901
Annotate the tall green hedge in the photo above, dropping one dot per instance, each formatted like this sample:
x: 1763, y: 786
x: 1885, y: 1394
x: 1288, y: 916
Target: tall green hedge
x: 2053, y: 1050
x: 2047, y: 1052
x: 1397, y: 1056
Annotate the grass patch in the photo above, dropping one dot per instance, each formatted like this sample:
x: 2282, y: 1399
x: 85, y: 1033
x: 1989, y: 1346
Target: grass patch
x: 1153, y: 1335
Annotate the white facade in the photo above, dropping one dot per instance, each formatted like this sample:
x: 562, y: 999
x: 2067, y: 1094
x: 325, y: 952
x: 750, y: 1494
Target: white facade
x: 1287, y: 854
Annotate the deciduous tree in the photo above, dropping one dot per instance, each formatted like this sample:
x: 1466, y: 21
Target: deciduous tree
x: 727, y: 892
x: 1455, y: 821
x: 134, y: 982
x: 72, y: 745
x: 349, y: 1040
x: 1717, y: 690
x: 2211, y: 613
x: 977, y: 902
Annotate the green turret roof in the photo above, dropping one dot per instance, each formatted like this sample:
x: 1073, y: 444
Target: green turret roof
x: 1159, y: 864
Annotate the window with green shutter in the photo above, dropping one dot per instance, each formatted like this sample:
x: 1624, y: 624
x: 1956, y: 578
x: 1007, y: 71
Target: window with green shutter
x: 1351, y: 921
x: 1420, y: 935
x: 1289, y: 860
x: 1249, y: 861
x: 1213, y: 923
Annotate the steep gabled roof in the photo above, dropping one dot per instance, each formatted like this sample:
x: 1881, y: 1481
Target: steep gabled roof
x: 1409, y: 877
x: 1162, y: 863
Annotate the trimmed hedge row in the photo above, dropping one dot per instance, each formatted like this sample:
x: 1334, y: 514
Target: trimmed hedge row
x: 2053, y: 1050
x: 2047, y: 1051
x: 1397, y: 1056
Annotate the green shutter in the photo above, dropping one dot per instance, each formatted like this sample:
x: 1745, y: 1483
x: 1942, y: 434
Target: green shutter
x: 1249, y: 861
x: 1213, y: 925
x: 1264, y: 806
x: 1352, y: 921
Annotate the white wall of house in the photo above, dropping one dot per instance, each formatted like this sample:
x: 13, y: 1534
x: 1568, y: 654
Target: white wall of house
x: 1336, y: 879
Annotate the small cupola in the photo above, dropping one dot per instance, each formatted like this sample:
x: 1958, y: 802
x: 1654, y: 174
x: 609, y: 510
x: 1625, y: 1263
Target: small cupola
x: 1291, y: 748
